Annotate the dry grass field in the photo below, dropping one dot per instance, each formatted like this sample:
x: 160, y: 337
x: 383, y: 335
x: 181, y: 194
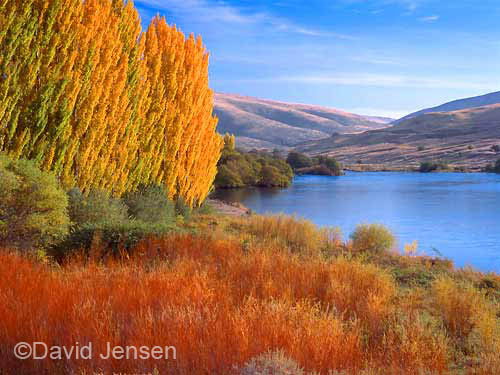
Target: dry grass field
x: 232, y: 289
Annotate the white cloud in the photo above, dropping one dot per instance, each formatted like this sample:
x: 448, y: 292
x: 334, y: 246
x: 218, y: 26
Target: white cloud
x: 409, y: 5
x: 429, y: 19
x: 211, y: 12
x: 208, y: 11
x: 374, y: 60
x: 387, y: 80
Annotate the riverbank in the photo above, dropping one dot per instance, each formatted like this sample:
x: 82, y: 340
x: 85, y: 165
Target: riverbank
x: 408, y: 168
x: 228, y: 208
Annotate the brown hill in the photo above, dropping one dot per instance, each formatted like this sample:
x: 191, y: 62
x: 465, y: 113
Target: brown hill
x: 265, y: 123
x: 463, y: 138
x: 457, y: 105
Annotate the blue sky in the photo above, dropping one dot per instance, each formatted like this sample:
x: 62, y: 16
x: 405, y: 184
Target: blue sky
x: 373, y: 57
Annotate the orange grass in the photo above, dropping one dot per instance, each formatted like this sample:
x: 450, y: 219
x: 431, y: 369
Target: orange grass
x: 219, y: 304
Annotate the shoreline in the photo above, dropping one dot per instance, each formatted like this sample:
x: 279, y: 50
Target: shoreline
x: 229, y: 208
x: 414, y: 169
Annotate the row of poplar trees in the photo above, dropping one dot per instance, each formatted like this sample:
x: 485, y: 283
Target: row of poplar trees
x: 88, y: 94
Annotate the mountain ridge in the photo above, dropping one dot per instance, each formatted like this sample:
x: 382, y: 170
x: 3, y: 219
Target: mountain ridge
x: 457, y: 105
x: 464, y: 137
x: 263, y: 123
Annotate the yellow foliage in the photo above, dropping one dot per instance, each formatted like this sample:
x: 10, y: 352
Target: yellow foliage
x: 91, y: 97
x: 411, y: 249
x: 468, y: 315
x: 295, y: 234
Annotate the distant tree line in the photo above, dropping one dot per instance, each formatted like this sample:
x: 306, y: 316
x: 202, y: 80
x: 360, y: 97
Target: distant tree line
x: 237, y: 169
x: 493, y: 168
x: 433, y: 166
x: 429, y: 166
x: 318, y: 165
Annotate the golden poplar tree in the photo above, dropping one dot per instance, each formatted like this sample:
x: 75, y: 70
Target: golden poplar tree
x: 229, y: 142
x: 187, y: 133
x: 36, y: 43
x: 87, y: 94
x: 99, y: 150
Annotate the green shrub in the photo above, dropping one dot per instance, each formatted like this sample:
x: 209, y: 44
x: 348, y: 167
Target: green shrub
x: 205, y: 209
x: 240, y: 169
x: 33, y: 207
x: 182, y: 209
x: 323, y: 166
x: 493, y: 168
x: 99, y: 207
x: 244, y: 169
x: 333, y: 165
x: 298, y: 160
x: 150, y: 205
x: 283, y: 167
x: 248, y: 170
x: 109, y: 237
x: 373, y: 238
x: 118, y: 223
x: 270, y: 176
x: 317, y: 170
x: 227, y: 178
x: 427, y: 166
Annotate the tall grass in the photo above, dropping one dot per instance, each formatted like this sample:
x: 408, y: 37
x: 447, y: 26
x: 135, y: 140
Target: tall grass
x: 471, y: 321
x: 217, y: 304
x: 229, y: 307
x: 296, y: 234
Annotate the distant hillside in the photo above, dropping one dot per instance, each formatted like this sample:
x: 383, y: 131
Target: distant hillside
x: 381, y: 120
x: 265, y: 123
x: 457, y: 105
x: 464, y: 138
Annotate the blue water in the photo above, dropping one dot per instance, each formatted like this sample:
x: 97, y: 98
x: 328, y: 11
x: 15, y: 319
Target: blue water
x: 456, y: 213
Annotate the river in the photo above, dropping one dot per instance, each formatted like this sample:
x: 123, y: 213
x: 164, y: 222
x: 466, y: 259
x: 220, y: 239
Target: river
x: 453, y: 214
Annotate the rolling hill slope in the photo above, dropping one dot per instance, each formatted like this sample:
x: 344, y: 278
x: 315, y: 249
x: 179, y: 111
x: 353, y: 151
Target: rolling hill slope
x: 464, y: 138
x: 457, y: 105
x: 259, y: 123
